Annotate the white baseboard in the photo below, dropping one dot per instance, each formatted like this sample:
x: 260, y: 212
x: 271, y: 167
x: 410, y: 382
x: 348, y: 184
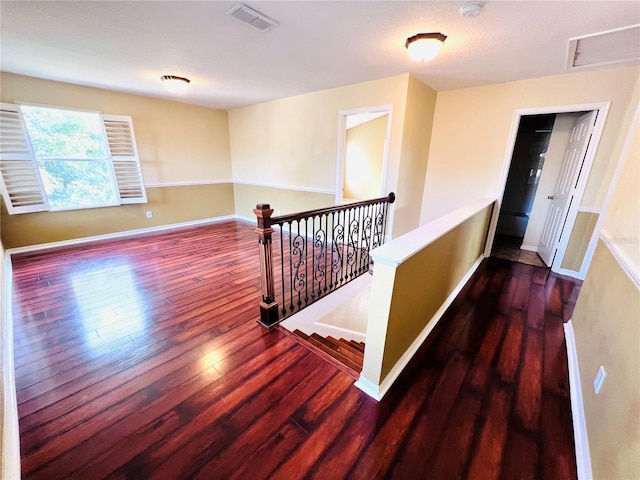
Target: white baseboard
x: 378, y: 391
x: 529, y: 248
x: 583, y: 459
x: 111, y: 236
x: 242, y: 218
x: 370, y: 388
x: 10, y: 431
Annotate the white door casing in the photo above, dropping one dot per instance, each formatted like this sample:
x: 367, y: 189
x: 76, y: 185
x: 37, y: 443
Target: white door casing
x: 566, y: 186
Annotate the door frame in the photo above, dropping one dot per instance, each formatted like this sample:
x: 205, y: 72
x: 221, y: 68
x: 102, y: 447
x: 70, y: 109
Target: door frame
x: 342, y: 146
x: 603, y: 111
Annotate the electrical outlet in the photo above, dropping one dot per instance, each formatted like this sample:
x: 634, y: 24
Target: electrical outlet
x: 599, y: 380
x: 149, y: 214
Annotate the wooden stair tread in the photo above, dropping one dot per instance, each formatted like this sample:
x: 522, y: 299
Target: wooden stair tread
x: 357, y: 345
x: 351, y: 346
x: 334, y: 351
x: 344, y: 346
x: 347, y: 361
x: 335, y: 345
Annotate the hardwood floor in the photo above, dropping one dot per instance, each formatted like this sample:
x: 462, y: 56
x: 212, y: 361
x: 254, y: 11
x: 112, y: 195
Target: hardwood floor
x: 140, y: 358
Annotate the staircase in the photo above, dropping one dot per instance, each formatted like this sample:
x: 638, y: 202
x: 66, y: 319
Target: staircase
x: 347, y: 355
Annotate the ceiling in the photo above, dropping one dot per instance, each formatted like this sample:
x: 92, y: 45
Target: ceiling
x: 126, y: 46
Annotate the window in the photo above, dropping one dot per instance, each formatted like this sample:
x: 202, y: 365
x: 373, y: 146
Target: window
x: 60, y: 159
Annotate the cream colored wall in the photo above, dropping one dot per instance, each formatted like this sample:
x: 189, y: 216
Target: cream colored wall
x: 472, y: 126
x: 607, y: 332
x: 607, y: 328
x: 351, y: 315
x: 177, y: 143
x: 579, y: 240
x: 417, y: 295
x: 622, y: 222
x: 282, y: 200
x: 363, y: 159
x: 553, y: 161
x: 404, y: 298
x: 416, y: 137
x: 169, y: 205
x: 293, y: 142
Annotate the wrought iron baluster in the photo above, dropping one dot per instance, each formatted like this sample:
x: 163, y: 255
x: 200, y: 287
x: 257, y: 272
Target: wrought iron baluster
x: 282, y: 274
x: 291, y: 266
x: 326, y: 250
x: 345, y: 253
x: 329, y: 250
x: 306, y: 260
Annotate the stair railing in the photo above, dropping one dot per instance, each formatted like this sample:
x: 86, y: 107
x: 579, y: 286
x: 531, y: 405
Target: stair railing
x: 315, y: 252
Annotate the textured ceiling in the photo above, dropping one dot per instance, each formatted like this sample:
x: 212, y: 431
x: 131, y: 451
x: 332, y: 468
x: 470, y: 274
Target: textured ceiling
x: 127, y: 46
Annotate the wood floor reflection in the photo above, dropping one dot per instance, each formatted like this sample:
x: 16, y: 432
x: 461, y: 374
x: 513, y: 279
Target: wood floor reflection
x: 141, y: 358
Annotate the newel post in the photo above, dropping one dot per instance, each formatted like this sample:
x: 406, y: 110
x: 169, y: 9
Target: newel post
x: 268, y: 307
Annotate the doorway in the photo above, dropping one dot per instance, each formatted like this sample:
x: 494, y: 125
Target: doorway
x: 532, y: 190
x: 363, y: 148
x: 525, y: 171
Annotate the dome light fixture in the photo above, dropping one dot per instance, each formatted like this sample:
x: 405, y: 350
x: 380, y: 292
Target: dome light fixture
x: 175, y: 84
x: 471, y: 9
x: 425, y: 46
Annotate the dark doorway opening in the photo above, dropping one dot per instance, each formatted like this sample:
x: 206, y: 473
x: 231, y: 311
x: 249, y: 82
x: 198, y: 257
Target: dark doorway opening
x: 527, y: 161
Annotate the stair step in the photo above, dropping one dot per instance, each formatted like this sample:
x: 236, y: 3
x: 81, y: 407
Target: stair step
x: 357, y: 345
x: 334, y: 350
x: 347, y: 358
x: 347, y: 344
x: 343, y: 347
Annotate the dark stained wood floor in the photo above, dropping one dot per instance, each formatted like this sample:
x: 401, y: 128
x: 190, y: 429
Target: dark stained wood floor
x: 140, y: 358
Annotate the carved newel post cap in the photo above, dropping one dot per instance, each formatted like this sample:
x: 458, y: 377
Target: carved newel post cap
x: 263, y: 206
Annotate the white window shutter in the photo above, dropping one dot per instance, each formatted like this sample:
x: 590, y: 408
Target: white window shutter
x: 124, y: 156
x: 21, y: 183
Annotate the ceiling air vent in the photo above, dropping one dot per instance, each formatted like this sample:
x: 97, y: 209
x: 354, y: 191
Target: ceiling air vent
x: 613, y: 46
x: 252, y: 18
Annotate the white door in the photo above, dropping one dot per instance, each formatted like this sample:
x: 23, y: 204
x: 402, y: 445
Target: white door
x: 565, y: 189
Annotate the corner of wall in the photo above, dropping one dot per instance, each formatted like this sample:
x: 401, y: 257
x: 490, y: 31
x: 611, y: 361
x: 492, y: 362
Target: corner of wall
x: 416, y: 138
x: 9, y: 430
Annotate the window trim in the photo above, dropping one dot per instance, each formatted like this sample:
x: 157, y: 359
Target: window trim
x: 13, y: 189
x: 122, y: 157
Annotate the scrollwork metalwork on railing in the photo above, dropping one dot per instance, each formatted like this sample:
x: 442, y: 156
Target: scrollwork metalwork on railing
x: 315, y: 253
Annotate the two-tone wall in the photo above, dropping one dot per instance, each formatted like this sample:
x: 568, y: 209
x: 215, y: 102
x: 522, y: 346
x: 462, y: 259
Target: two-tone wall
x: 292, y: 145
x: 184, y: 155
x: 405, y: 302
x: 606, y: 322
x: 471, y: 129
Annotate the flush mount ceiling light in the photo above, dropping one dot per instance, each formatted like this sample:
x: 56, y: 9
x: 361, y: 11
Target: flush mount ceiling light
x: 471, y: 9
x: 425, y: 46
x: 175, y: 84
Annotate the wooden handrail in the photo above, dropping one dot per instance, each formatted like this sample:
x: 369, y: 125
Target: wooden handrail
x: 325, y: 249
x: 338, y: 208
